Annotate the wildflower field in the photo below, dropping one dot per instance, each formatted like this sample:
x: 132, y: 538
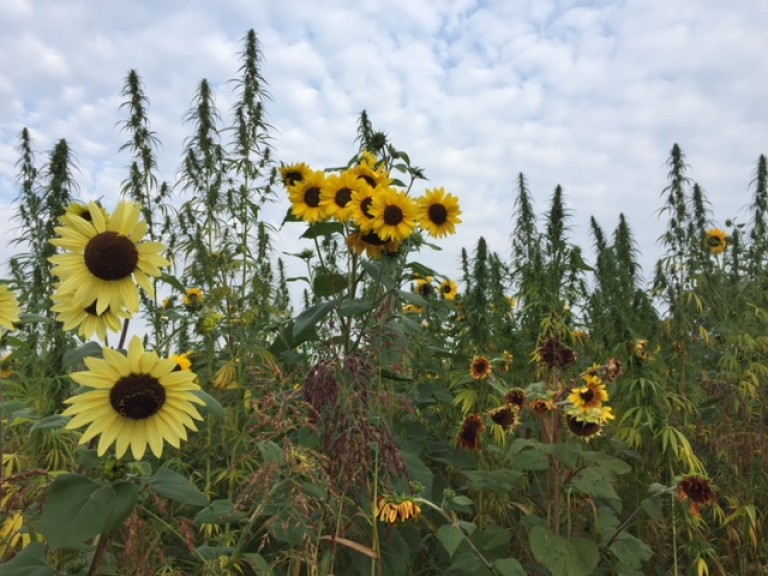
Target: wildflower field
x: 167, y: 408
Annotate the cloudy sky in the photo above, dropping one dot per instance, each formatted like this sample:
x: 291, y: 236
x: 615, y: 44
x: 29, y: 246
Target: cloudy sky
x: 590, y: 95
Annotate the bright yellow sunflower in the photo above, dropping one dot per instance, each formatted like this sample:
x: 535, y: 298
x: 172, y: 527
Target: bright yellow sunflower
x: 717, y: 240
x: 81, y: 210
x: 85, y: 318
x: 374, y: 177
x: 194, y: 298
x: 336, y: 195
x: 424, y: 287
x: 480, y: 368
x: 449, y: 289
x: 590, y: 396
x: 183, y: 362
x: 305, y: 198
x: 293, y: 174
x: 394, y: 214
x: 138, y: 400
x: 438, y: 212
x: 360, y: 206
x: 105, y: 258
x: 9, y: 307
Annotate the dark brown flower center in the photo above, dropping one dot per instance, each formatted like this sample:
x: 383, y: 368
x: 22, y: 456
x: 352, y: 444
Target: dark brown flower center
x: 312, y: 197
x: 582, y: 428
x: 505, y: 417
x: 92, y: 310
x: 447, y: 289
x: 425, y: 289
x: 137, y: 396
x: 373, y: 239
x: 111, y: 256
x: 365, y: 204
x: 588, y: 395
x: 393, y: 215
x: 480, y: 366
x: 343, y: 196
x: 368, y: 179
x: 293, y: 177
x: 438, y: 214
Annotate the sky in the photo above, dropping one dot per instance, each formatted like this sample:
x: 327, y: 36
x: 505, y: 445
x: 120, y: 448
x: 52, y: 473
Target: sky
x: 590, y: 95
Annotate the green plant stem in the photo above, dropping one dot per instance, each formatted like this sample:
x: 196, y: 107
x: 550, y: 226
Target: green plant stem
x: 632, y: 516
x: 98, y: 555
x: 124, y: 333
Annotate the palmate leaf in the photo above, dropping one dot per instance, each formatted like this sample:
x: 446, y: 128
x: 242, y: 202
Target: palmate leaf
x: 78, y: 508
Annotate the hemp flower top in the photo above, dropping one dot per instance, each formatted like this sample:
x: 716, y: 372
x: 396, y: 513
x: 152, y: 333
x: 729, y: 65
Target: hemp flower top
x: 105, y: 258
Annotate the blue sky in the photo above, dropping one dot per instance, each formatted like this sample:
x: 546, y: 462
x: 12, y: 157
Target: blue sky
x: 588, y: 95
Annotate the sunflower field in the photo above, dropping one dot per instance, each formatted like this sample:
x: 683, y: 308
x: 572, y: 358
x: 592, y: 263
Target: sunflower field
x: 172, y: 403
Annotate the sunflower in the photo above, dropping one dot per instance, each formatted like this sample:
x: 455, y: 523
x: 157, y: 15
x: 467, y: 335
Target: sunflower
x: 449, y: 289
x: 194, y: 298
x: 717, y: 240
x: 293, y: 174
x: 394, y: 214
x: 105, y: 255
x: 471, y: 429
x: 506, y: 416
x: 183, y: 362
x: 336, y: 195
x: 698, y: 490
x: 392, y: 509
x: 305, y: 197
x: 516, y: 397
x: 424, y: 287
x: 88, y: 322
x: 360, y: 206
x: 481, y: 368
x: 583, y: 428
x: 413, y: 309
x: 438, y: 212
x: 542, y: 406
x: 374, y: 177
x: 590, y: 396
x: 554, y: 354
x: 9, y: 307
x: 137, y: 400
x: 371, y: 244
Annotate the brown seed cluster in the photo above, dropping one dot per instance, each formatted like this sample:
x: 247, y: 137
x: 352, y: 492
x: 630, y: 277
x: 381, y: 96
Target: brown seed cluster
x: 555, y: 354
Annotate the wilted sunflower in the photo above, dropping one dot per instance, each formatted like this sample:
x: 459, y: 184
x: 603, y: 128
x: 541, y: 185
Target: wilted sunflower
x: 480, y: 368
x: 506, y: 416
x: 336, y: 195
x: 554, y: 354
x: 394, y: 214
x: 138, y: 400
x: 439, y: 212
x: 105, y: 255
x: 471, y: 429
x: 717, y: 240
x: 294, y: 174
x: 9, y: 307
x: 585, y: 429
x: 542, y: 406
x: 396, y: 509
x: 305, y: 198
x: 449, y: 289
x: 85, y: 318
x: 698, y: 490
x: 516, y: 397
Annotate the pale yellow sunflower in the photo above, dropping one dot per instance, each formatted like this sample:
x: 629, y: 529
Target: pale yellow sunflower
x: 81, y: 210
x: 105, y: 258
x: 293, y: 174
x: 72, y: 314
x: 305, y: 198
x: 137, y: 400
x: 394, y: 215
x: 717, y: 240
x: 9, y: 307
x: 438, y: 212
x: 449, y: 289
x: 336, y: 195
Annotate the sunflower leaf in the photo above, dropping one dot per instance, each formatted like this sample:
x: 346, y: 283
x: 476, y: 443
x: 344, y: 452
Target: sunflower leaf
x: 450, y: 537
x: 172, y: 485
x: 576, y: 557
x: 28, y: 562
x: 78, y: 355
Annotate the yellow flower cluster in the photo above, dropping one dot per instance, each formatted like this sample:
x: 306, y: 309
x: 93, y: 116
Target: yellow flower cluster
x: 394, y: 510
x: 365, y: 196
x: 104, y: 262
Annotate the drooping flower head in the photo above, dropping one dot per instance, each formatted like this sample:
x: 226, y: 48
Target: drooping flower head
x: 136, y: 401
x: 370, y: 243
x: 717, y: 240
x: 506, y: 416
x: 585, y: 429
x: 439, y: 212
x: 516, y: 397
x: 305, y: 197
x: 471, y: 430
x: 394, y: 215
x: 480, y: 368
x: 698, y: 490
x: 394, y: 509
x: 106, y: 257
x: 9, y: 307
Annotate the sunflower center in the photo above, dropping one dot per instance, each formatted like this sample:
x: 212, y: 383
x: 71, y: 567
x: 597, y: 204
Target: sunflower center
x: 370, y: 180
x: 373, y: 239
x: 480, y: 367
x: 312, y: 197
x: 588, y: 395
x: 92, y: 310
x: 582, y: 428
x: 447, y: 289
x: 111, y: 256
x: 137, y: 396
x: 438, y: 214
x: 393, y: 215
x: 343, y: 197
x: 365, y: 204
x: 294, y: 177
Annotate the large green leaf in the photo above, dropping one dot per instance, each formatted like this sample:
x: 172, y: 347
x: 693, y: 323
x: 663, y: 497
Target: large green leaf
x: 562, y: 557
x: 595, y: 482
x: 327, y: 283
x: 172, y: 485
x: 509, y: 567
x: 305, y: 323
x: 78, y: 508
x: 450, y: 537
x: 28, y: 562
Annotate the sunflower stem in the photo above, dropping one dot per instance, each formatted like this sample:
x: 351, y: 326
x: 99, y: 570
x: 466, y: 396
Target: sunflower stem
x: 124, y: 333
